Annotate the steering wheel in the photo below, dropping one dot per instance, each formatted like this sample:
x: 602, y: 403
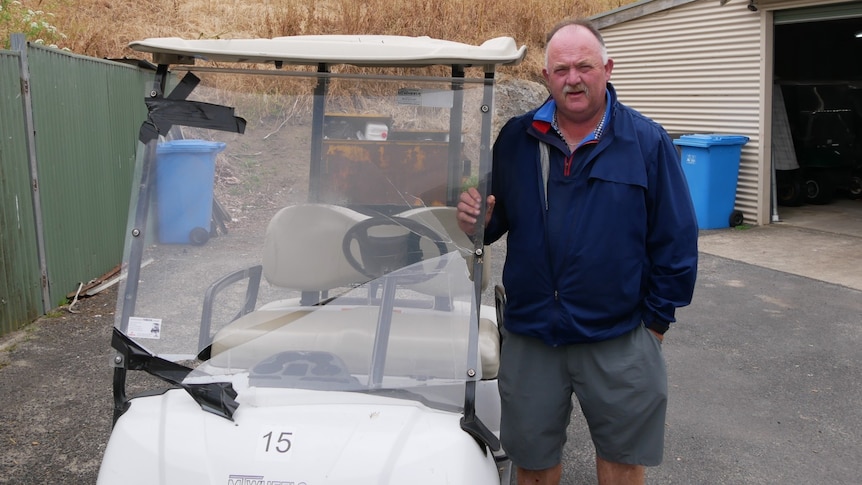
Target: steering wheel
x: 390, y: 243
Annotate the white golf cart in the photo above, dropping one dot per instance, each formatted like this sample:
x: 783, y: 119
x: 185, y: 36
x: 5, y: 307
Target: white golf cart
x: 295, y: 277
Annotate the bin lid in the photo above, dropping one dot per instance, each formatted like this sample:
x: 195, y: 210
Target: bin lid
x: 190, y: 146
x: 708, y: 140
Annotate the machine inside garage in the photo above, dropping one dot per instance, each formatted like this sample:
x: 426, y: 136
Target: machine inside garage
x: 818, y: 133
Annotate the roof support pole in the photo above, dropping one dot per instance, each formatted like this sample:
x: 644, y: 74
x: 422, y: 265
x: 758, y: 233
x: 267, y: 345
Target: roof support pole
x: 456, y: 123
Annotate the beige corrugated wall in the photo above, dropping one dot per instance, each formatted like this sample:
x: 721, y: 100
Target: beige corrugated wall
x: 696, y: 68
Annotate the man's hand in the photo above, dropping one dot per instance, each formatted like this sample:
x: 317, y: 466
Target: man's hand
x: 469, y: 208
x: 659, y: 336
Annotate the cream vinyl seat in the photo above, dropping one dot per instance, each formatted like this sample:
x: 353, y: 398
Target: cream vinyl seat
x: 303, y: 251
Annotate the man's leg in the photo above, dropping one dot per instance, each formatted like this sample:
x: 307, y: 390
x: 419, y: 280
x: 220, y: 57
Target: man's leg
x: 536, y: 406
x: 623, y: 396
x: 548, y: 476
x: 610, y: 473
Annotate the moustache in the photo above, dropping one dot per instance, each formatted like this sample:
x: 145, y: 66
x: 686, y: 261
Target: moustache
x: 577, y: 88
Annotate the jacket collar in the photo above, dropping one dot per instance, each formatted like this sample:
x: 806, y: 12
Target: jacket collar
x: 544, y: 117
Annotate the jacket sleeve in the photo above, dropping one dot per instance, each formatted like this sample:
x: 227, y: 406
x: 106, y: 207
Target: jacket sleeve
x: 671, y: 237
x: 498, y: 225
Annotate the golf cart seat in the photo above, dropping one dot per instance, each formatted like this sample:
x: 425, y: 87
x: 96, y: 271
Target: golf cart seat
x: 302, y: 249
x: 421, y: 343
x: 442, y: 219
x: 302, y: 252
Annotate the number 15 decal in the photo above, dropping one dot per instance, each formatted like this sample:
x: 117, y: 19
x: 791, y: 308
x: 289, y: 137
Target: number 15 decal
x: 277, y: 442
x: 274, y: 444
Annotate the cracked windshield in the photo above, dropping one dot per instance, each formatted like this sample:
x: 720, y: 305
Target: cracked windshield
x: 318, y: 248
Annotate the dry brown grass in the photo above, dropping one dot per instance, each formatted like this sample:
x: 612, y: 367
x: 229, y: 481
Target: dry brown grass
x: 103, y: 28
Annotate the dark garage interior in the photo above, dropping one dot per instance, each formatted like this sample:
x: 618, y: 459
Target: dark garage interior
x: 818, y: 70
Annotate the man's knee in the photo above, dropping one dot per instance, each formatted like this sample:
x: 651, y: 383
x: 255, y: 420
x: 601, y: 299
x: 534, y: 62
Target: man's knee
x: 548, y: 476
x: 611, y: 473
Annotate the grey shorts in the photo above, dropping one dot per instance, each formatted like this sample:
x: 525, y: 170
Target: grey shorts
x: 620, y: 384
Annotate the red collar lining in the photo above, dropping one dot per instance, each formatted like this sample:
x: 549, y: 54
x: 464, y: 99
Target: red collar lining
x: 542, y: 126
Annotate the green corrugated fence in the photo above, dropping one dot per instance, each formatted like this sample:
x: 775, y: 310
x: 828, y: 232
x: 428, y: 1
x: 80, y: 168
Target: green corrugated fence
x: 65, y: 190
x: 20, y: 294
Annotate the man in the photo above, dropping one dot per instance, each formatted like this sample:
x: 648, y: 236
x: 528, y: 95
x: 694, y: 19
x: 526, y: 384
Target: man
x: 601, y: 250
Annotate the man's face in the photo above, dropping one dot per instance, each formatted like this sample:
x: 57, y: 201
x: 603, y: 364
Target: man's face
x: 575, y: 73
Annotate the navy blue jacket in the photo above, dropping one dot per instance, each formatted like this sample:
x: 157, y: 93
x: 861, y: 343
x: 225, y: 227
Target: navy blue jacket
x: 617, y: 244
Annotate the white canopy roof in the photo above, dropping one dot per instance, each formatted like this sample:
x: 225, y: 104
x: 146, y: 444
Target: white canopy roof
x: 358, y: 50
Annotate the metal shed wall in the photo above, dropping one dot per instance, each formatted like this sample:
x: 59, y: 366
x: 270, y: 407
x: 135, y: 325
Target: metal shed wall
x: 696, y: 68
x: 20, y: 289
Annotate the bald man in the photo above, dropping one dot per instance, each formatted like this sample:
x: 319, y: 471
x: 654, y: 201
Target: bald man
x: 601, y: 250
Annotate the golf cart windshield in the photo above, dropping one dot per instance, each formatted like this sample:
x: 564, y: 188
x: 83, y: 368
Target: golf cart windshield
x: 295, y: 229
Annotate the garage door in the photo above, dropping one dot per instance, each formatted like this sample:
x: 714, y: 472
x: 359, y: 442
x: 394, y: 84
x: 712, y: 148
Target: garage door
x: 825, y: 12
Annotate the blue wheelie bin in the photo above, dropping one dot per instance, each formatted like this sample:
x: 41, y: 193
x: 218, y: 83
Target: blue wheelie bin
x: 185, y: 174
x: 711, y: 167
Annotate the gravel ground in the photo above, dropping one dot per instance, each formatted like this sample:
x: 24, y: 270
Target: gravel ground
x: 55, y: 382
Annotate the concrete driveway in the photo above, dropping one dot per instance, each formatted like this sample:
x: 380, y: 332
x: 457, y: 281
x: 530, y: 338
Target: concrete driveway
x: 765, y: 364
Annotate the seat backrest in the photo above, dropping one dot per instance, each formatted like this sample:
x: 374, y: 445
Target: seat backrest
x: 303, y: 248
x: 442, y: 219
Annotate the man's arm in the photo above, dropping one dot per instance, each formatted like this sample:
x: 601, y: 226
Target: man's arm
x: 671, y: 239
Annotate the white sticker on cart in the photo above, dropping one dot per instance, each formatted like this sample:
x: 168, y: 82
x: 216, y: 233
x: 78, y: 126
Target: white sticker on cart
x: 140, y: 327
x: 428, y: 98
x: 409, y: 96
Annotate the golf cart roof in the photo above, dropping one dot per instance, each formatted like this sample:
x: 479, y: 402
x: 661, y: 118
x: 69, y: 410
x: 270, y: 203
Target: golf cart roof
x: 357, y: 50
